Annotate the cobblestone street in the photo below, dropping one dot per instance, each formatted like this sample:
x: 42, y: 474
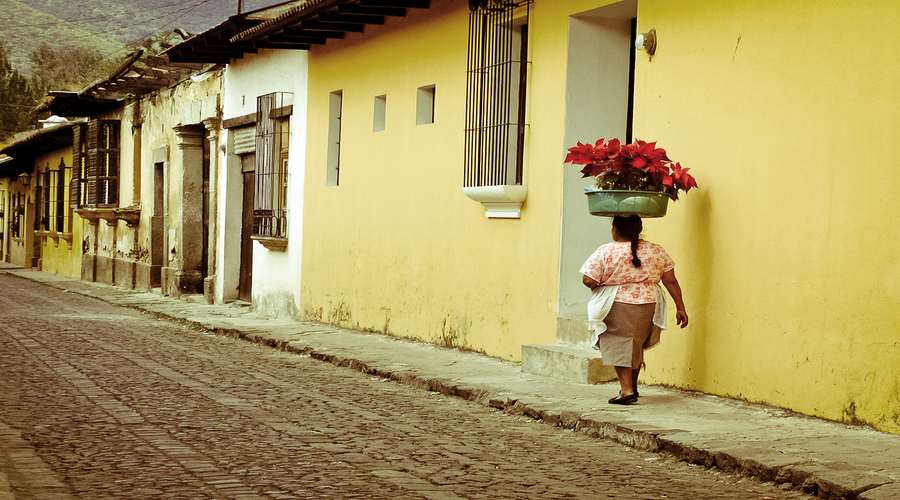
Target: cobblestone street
x: 100, y: 402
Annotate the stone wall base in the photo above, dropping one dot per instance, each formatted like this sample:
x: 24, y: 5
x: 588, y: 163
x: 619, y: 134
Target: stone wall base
x: 88, y: 267
x: 209, y: 289
x: 147, y: 276
x: 178, y: 282
x: 105, y: 269
x: 124, y: 273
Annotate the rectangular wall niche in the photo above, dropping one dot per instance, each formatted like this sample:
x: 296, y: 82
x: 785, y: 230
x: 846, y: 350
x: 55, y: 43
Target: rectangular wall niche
x: 378, y: 124
x: 334, y: 138
x: 425, y: 105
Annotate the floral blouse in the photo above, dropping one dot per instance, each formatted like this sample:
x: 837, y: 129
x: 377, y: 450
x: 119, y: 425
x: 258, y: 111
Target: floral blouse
x: 611, y: 265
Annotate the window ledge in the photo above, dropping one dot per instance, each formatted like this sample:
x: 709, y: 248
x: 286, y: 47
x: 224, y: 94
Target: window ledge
x: 54, y: 235
x: 131, y: 215
x: 274, y: 244
x: 93, y: 215
x: 500, y: 202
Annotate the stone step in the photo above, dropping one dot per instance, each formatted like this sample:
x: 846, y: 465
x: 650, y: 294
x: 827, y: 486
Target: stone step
x: 565, y: 362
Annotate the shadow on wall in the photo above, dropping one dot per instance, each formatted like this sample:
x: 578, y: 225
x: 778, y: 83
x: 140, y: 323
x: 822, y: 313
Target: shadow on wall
x: 701, y: 279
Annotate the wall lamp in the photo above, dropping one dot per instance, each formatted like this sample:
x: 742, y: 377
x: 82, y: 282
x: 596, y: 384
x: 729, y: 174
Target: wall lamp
x: 646, y: 42
x: 25, y: 179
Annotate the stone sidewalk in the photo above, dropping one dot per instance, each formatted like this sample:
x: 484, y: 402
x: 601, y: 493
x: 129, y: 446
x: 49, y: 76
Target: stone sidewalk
x: 833, y: 460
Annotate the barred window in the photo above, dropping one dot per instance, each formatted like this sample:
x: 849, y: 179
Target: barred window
x: 272, y: 144
x: 42, y: 200
x: 52, y: 200
x: 95, y: 179
x: 496, y: 78
x: 17, y: 217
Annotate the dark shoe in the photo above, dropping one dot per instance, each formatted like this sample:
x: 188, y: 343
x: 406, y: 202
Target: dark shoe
x: 624, y: 400
x: 636, y: 394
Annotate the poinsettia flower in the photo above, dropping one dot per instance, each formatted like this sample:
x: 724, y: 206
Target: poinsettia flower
x: 683, y: 180
x: 582, y: 154
x: 639, y: 166
x: 639, y: 163
x: 666, y: 180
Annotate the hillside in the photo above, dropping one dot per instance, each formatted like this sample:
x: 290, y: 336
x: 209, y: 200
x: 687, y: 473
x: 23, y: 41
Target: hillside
x: 105, y: 24
x: 26, y: 29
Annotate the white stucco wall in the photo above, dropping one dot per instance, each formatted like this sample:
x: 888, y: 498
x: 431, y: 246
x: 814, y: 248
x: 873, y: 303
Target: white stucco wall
x: 276, y: 274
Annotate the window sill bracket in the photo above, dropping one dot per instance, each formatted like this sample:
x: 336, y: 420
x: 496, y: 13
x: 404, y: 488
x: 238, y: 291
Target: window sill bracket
x: 274, y: 244
x: 500, y: 202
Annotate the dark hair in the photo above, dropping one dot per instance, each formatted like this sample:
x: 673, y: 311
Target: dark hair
x: 630, y: 228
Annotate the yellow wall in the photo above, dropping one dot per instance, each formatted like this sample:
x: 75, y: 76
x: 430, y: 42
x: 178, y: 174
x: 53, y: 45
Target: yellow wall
x: 397, y: 247
x: 784, y: 253
x: 60, y: 252
x: 787, y: 251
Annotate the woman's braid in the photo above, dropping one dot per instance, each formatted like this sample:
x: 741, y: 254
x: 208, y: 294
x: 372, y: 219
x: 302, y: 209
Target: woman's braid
x: 630, y: 228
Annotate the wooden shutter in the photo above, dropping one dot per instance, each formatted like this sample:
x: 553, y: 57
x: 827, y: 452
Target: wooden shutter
x: 102, y: 170
x: 244, y: 140
x: 93, y: 160
x: 78, y: 159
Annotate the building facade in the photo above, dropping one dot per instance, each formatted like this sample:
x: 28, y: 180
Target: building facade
x: 436, y: 205
x: 39, y: 228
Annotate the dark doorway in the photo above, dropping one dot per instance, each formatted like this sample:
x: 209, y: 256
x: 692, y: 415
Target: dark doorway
x: 246, y: 273
x: 205, y: 265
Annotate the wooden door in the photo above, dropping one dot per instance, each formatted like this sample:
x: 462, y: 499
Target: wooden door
x: 246, y: 277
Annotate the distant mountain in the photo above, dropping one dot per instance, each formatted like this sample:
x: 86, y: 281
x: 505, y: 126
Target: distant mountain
x: 106, y: 25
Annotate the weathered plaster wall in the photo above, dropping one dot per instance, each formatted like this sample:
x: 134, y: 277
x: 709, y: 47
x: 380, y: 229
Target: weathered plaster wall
x: 121, y: 254
x: 276, y: 274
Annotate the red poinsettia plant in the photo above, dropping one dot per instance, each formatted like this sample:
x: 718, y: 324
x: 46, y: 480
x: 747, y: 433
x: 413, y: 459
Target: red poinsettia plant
x: 639, y: 166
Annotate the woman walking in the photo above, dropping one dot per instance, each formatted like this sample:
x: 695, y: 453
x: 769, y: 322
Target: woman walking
x: 628, y: 307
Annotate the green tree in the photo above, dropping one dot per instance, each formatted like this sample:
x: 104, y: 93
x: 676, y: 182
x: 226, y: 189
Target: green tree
x: 17, y: 98
x: 65, y: 69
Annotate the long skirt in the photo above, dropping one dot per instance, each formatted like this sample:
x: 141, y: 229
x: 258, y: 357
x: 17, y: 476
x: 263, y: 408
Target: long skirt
x: 628, y: 328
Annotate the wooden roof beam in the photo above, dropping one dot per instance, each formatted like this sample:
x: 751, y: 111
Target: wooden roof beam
x: 240, y: 47
x: 166, y: 63
x: 308, y: 40
x: 156, y: 72
x: 352, y: 8
x: 337, y: 17
x: 199, y: 58
x: 411, y: 4
x: 316, y: 33
x: 236, y: 52
x: 286, y: 46
x: 331, y: 26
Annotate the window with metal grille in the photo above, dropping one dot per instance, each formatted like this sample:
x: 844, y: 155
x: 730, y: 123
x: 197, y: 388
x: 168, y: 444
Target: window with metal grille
x: 272, y: 143
x: 17, y: 200
x: 51, y: 200
x: 496, y: 77
x: 95, y: 179
x: 42, y: 200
